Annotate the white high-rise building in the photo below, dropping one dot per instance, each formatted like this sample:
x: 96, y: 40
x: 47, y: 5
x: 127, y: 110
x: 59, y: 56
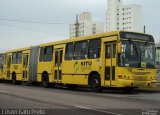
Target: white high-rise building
x: 123, y: 17
x: 85, y: 26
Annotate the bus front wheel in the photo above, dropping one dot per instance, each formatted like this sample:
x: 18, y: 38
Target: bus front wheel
x: 95, y: 83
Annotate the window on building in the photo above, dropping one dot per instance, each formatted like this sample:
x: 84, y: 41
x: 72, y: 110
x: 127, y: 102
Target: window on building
x: 94, y: 49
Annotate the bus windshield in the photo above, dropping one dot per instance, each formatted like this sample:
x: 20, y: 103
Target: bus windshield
x: 135, y: 53
x: 1, y: 61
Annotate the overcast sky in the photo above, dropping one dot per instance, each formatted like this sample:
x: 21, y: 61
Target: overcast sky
x: 19, y: 27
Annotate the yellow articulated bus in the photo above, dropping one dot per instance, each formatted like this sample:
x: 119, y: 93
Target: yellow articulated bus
x: 16, y: 67
x: 2, y: 59
x: 114, y: 59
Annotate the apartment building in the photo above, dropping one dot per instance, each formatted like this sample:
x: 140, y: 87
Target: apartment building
x: 123, y: 17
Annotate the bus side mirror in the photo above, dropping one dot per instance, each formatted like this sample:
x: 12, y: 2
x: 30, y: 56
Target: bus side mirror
x: 119, y: 48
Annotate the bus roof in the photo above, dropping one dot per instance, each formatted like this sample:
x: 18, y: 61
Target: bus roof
x: 105, y: 34
x: 82, y: 38
x: 19, y: 49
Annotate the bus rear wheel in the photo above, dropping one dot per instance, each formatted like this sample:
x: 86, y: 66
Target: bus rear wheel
x: 14, y: 82
x: 71, y: 86
x: 95, y: 83
x: 45, y: 81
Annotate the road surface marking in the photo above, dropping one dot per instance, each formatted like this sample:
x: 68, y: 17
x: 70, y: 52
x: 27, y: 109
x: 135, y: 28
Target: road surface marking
x: 98, y: 110
x: 3, y: 91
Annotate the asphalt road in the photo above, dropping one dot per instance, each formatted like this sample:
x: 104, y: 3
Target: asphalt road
x: 76, y: 102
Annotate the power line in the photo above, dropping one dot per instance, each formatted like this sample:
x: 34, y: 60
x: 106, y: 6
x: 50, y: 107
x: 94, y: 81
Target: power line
x: 42, y: 22
x: 30, y: 29
x: 28, y: 21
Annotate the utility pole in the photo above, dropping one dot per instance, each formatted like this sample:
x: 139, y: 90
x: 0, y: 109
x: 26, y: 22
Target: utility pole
x: 77, y: 27
x: 144, y: 29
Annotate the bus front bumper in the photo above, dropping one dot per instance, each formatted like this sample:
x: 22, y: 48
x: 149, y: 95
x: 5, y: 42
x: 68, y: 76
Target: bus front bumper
x: 1, y: 77
x: 132, y: 83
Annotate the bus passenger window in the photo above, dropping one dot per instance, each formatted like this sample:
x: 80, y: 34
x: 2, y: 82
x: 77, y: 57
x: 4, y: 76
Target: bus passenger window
x: 19, y: 57
x: 114, y: 50
x: 108, y: 53
x: 61, y: 56
x: 69, y: 51
x: 48, y: 54
x: 41, y: 55
x: 94, y: 48
x: 14, y: 58
x: 80, y: 51
x: 56, y: 58
x: 5, y: 59
x: 25, y: 61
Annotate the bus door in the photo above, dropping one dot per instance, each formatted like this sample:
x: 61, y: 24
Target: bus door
x: 8, y: 66
x: 110, y: 63
x: 25, y: 67
x: 58, y: 65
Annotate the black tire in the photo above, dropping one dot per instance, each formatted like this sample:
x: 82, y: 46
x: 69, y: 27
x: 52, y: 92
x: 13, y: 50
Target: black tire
x: 45, y: 81
x: 128, y: 90
x: 71, y: 86
x: 95, y: 83
x: 14, y: 82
